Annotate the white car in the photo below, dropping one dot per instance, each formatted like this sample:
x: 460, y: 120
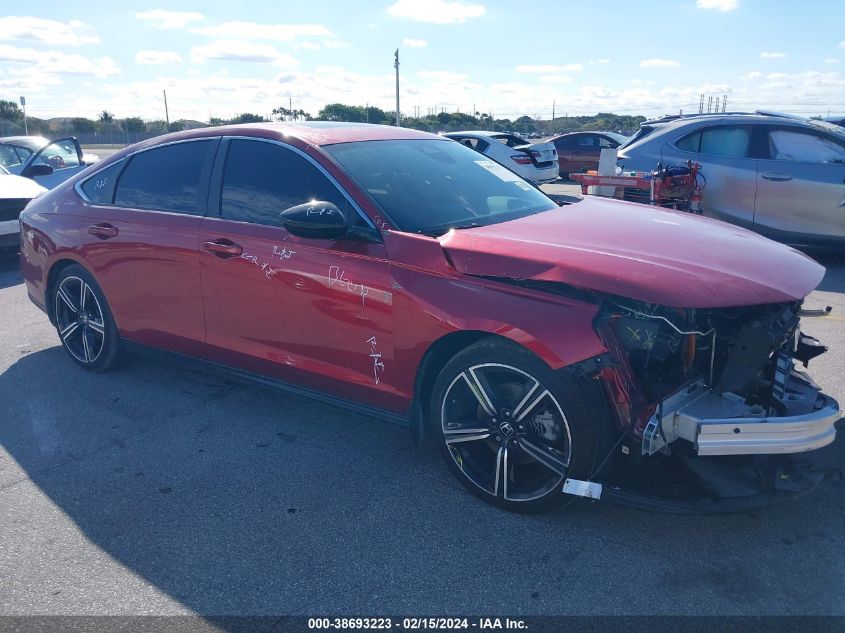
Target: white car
x: 15, y: 193
x: 536, y: 162
x: 31, y: 156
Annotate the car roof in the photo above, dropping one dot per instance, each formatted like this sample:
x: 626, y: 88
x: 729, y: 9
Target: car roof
x: 31, y: 142
x: 759, y: 117
x: 311, y: 132
x: 488, y: 133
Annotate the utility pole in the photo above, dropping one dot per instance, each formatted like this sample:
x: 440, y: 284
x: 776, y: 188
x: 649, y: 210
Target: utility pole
x: 290, y: 107
x: 553, y: 109
x: 23, y: 105
x: 367, y: 112
x: 396, y: 66
x: 166, y: 113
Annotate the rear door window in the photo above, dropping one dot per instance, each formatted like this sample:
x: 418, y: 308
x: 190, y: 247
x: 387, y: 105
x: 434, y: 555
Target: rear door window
x: 804, y: 147
x: 260, y: 180
x: 728, y: 141
x: 166, y: 178
x: 99, y: 188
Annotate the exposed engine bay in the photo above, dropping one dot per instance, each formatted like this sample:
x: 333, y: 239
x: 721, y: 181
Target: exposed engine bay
x: 713, y: 383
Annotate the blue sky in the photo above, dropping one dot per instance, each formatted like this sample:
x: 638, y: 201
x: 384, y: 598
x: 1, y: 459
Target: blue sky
x: 222, y: 58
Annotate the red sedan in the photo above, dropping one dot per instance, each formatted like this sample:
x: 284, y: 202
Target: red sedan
x: 549, y: 351
x: 580, y: 151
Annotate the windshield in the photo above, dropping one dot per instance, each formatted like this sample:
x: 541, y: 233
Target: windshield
x: 619, y: 138
x: 644, y: 131
x: 431, y: 186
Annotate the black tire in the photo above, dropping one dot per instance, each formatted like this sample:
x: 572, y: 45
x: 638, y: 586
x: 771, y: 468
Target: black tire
x: 84, y: 321
x: 560, y: 428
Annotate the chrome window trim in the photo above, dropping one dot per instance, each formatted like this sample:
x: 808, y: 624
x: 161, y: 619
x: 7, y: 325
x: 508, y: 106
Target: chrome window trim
x: 78, y: 184
x: 311, y: 160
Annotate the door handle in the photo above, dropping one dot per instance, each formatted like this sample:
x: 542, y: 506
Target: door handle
x: 223, y: 248
x: 103, y: 231
x: 776, y: 176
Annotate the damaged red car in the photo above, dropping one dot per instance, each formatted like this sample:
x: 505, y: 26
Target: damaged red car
x: 599, y: 349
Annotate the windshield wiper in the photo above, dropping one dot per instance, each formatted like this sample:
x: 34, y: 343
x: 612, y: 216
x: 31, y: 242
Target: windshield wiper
x: 440, y: 229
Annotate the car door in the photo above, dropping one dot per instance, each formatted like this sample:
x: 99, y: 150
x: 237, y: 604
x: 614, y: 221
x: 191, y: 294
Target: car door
x: 565, y: 147
x: 801, y: 184
x: 728, y: 168
x: 314, y: 312
x: 63, y: 155
x: 142, y: 218
x: 586, y: 152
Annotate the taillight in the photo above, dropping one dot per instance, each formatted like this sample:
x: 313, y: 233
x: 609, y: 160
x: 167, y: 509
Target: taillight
x: 521, y: 159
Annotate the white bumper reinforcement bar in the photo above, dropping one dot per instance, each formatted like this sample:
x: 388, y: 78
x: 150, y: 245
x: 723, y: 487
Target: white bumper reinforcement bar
x: 724, y: 424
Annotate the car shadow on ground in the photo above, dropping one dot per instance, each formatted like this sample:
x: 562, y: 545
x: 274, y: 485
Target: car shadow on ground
x: 233, y: 499
x: 834, y: 279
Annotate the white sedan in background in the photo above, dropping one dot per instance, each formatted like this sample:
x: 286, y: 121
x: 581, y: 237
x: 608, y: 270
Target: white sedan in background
x: 15, y: 193
x: 536, y: 162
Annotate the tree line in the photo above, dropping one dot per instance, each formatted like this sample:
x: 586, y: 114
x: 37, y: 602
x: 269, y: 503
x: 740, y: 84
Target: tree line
x: 11, y: 121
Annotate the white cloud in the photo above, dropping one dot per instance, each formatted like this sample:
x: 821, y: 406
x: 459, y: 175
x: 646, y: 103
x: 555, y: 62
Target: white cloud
x: 656, y: 62
x: 752, y: 75
x: 100, y: 67
x: 842, y: 44
x: 831, y: 60
x: 153, y: 58
x: 555, y: 79
x: 15, y: 54
x: 240, y: 51
x: 441, y: 75
x: 436, y: 11
x: 547, y: 68
x: 336, y: 44
x: 643, y: 82
x: 73, y: 33
x: 254, y: 30
x: 414, y: 43
x: 57, y: 63
x: 164, y: 19
x: 717, y: 5
x: 599, y: 61
x: 771, y: 55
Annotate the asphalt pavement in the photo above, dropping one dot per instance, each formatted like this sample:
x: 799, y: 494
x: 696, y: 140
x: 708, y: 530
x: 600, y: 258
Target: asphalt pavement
x: 161, y: 489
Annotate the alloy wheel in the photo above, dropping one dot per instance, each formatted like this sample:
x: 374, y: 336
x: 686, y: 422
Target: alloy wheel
x: 79, y: 320
x: 506, y: 432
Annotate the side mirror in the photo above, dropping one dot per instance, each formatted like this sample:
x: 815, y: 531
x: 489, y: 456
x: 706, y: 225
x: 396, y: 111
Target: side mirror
x: 37, y: 170
x: 317, y: 219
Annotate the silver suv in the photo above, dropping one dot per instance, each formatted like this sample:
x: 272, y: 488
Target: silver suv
x: 779, y: 175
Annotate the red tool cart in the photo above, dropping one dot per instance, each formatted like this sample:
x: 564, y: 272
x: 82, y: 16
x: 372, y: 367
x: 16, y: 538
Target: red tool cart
x: 673, y: 187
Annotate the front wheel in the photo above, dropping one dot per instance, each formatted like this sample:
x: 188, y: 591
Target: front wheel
x: 84, y: 321
x: 510, y: 428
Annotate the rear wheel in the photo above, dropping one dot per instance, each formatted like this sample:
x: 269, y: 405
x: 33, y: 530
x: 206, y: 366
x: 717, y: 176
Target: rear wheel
x: 84, y: 321
x: 511, y: 429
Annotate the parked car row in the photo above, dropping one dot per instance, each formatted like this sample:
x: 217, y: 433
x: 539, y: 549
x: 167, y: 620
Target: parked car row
x: 535, y: 162
x: 600, y: 349
x: 781, y: 176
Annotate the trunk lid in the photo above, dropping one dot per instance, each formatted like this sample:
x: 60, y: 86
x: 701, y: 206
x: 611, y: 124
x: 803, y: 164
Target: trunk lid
x: 542, y: 154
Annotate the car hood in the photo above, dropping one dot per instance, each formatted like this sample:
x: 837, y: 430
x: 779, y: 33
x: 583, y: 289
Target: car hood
x: 19, y: 187
x: 640, y: 252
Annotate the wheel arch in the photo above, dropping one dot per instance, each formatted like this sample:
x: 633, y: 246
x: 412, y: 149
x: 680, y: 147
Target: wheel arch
x: 433, y: 361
